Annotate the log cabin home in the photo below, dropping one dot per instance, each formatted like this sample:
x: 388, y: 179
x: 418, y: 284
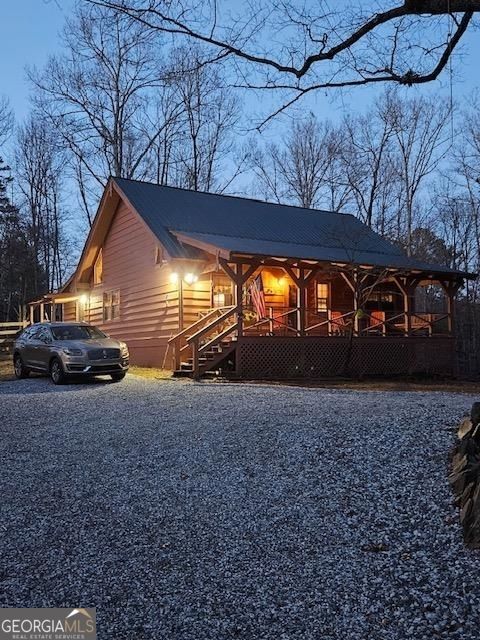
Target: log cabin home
x: 204, y: 283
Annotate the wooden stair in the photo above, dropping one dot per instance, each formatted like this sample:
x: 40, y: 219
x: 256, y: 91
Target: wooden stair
x: 209, y: 361
x: 207, y: 342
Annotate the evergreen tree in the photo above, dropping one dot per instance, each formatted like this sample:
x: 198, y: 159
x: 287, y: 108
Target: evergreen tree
x: 16, y: 256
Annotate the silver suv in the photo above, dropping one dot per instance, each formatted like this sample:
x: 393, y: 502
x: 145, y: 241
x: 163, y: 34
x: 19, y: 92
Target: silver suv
x: 63, y: 349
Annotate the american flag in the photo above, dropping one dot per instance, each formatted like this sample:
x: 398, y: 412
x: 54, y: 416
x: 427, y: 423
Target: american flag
x: 258, y: 297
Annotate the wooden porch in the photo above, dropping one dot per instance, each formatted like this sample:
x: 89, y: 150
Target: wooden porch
x: 58, y: 307
x: 321, y: 320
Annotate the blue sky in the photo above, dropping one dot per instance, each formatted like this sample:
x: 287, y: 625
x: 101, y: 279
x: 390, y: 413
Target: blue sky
x: 29, y: 33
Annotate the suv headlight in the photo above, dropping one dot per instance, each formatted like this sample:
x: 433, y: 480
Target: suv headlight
x: 124, y: 350
x: 69, y: 351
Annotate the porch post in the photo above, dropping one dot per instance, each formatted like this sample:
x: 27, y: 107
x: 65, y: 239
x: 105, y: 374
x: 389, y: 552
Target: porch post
x: 352, y: 282
x: 180, y: 303
x: 407, y: 311
x: 42, y: 312
x: 32, y: 313
x: 407, y: 288
x: 451, y: 289
x: 301, y: 291
x: 53, y: 313
x: 239, y: 297
x: 451, y: 312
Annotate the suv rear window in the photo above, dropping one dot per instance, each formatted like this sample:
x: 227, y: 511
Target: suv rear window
x: 77, y: 332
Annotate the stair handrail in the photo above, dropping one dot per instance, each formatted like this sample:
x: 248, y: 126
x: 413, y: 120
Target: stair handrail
x: 218, y: 338
x: 197, y: 323
x: 195, y: 337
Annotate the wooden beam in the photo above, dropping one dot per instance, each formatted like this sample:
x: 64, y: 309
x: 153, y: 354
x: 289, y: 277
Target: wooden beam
x: 228, y: 270
x: 407, y: 286
x: 239, y: 298
x: 451, y: 288
x: 239, y: 274
x: 301, y: 297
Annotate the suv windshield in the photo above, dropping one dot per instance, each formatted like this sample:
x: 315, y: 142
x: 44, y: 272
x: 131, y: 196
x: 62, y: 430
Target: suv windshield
x: 77, y: 332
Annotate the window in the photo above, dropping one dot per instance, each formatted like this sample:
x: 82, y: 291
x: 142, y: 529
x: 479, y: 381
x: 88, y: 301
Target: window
x: 381, y: 296
x: 39, y: 333
x: 98, y: 269
x: 111, y: 305
x: 322, y: 297
x: 27, y: 333
x: 158, y: 255
x: 222, y: 295
x: 44, y: 335
x: 77, y: 332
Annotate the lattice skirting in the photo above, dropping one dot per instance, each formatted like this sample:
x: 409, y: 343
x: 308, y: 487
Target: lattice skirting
x: 316, y: 357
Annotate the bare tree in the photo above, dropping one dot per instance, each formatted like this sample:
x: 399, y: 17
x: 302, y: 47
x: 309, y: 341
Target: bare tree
x: 39, y: 165
x: 418, y: 128
x: 296, y: 48
x: 97, y: 95
x: 208, y: 117
x: 306, y: 170
x: 369, y: 166
x: 6, y: 120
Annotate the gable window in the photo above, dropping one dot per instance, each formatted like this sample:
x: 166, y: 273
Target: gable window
x: 322, y: 297
x: 98, y: 269
x: 111, y: 305
x: 158, y: 255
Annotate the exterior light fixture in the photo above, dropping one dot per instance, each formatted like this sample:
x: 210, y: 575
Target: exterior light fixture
x: 173, y: 278
x: 83, y: 298
x: 190, y: 278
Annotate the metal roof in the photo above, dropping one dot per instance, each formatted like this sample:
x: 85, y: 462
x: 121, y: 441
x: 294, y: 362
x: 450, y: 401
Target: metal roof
x: 242, y: 225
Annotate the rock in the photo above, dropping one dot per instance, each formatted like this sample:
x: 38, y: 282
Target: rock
x: 465, y: 427
x: 465, y: 476
x: 475, y: 413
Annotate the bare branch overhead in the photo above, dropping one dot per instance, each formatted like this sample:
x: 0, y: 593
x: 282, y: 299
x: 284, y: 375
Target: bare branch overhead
x: 362, y: 43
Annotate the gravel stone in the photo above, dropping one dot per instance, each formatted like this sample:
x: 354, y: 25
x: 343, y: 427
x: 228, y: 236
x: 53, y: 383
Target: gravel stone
x: 197, y: 511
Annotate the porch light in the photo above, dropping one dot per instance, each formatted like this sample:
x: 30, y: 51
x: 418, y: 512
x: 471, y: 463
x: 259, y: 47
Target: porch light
x: 190, y: 278
x: 173, y: 278
x: 83, y: 298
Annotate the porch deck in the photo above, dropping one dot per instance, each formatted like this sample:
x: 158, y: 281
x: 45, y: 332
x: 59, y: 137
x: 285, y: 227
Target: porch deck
x: 233, y: 341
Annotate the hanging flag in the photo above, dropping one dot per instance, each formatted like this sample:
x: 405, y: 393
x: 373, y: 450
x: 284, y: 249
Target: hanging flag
x: 258, y: 297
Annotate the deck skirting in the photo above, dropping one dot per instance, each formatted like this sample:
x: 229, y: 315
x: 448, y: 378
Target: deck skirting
x: 274, y: 357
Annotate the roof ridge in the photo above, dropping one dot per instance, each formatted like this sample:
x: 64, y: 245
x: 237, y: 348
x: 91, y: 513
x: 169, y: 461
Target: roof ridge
x: 226, y: 195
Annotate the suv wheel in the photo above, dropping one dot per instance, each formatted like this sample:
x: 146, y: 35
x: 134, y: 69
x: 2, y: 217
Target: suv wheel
x: 19, y: 368
x: 56, y: 372
x: 116, y: 377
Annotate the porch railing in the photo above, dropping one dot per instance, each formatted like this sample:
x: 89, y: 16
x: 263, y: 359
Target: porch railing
x: 284, y: 321
x: 278, y: 321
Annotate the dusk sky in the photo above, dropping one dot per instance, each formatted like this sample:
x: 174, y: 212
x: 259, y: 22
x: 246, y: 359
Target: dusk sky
x: 30, y: 32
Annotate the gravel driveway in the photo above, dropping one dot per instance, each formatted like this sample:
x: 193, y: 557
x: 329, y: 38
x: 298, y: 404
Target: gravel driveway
x: 195, y: 511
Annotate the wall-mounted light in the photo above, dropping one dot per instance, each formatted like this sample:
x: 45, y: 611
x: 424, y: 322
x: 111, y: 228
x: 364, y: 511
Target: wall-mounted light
x: 173, y: 278
x: 83, y: 298
x: 190, y: 278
